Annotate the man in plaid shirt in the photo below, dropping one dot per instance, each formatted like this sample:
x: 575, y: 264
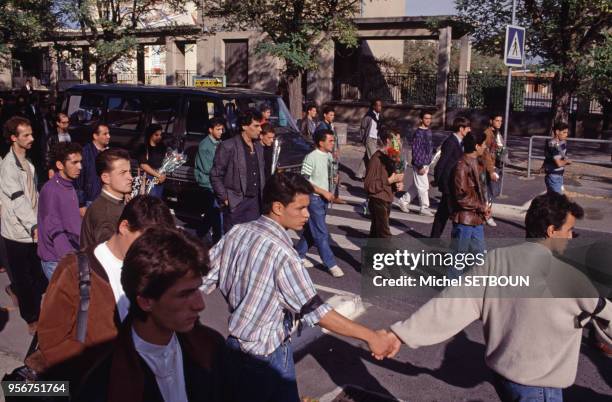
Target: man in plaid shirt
x: 267, y: 288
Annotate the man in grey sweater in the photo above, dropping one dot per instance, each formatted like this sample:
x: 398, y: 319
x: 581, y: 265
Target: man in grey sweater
x: 532, y: 342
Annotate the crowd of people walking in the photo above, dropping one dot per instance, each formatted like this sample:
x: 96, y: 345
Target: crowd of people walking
x: 112, y: 289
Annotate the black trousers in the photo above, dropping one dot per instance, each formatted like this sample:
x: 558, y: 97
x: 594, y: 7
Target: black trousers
x: 379, y: 211
x: 442, y: 214
x: 248, y: 210
x: 27, y: 279
x: 212, y: 217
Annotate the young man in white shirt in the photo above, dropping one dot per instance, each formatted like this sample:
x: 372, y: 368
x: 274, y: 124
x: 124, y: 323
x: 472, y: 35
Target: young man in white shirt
x: 57, y: 333
x: 317, y: 169
x: 162, y: 353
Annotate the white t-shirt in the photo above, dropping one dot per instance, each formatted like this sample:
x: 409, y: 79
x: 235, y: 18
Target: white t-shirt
x: 166, y: 363
x: 374, y: 127
x: 112, y: 265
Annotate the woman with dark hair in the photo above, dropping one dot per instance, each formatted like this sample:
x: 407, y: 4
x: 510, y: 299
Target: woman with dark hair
x: 151, y: 156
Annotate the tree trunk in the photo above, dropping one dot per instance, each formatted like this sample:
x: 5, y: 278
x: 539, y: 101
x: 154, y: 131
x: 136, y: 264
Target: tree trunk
x: 561, y: 99
x: 294, y: 91
x: 103, y: 74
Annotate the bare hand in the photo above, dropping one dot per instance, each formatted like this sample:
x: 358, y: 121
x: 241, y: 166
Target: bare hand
x: 422, y: 171
x: 494, y: 177
x: 328, y: 196
x: 127, y: 198
x: 400, y: 186
x: 383, y: 345
x: 568, y: 162
x: 161, y: 178
x: 35, y: 234
x: 36, y: 362
x: 396, y: 178
x: 488, y: 212
x: 396, y: 344
x: 82, y: 211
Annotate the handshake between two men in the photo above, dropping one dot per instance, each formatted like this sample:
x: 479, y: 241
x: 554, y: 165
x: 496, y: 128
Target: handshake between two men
x: 382, y: 343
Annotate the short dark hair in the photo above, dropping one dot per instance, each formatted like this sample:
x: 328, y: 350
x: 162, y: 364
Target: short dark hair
x: 10, y: 127
x: 61, y: 151
x: 156, y: 261
x: 328, y: 109
x: 247, y: 117
x: 105, y: 159
x: 283, y: 187
x: 386, y: 133
x: 310, y: 106
x: 216, y: 121
x: 560, y: 126
x: 549, y: 209
x: 461, y: 122
x: 152, y: 129
x: 321, y: 135
x: 146, y: 211
x: 97, y: 127
x: 267, y: 128
x: 492, y: 116
x: 422, y: 114
x: 265, y: 107
x: 471, y: 140
x: 373, y: 102
x: 60, y: 116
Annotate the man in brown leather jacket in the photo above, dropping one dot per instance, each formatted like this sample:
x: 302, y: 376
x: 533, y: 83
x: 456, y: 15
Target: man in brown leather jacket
x: 471, y: 209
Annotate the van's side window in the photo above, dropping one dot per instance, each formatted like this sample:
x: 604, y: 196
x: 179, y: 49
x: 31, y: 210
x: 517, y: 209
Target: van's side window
x: 199, y: 112
x: 85, y: 108
x: 124, y: 112
x: 163, y: 111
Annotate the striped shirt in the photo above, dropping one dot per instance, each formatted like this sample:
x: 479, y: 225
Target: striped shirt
x: 262, y: 277
x: 316, y: 168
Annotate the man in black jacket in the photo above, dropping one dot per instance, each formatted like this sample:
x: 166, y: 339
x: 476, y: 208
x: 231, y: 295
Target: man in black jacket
x: 59, y: 134
x: 452, y: 151
x: 162, y: 352
x: 238, y: 173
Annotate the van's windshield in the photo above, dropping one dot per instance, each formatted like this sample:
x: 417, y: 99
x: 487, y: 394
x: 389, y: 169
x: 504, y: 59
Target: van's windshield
x: 280, y: 116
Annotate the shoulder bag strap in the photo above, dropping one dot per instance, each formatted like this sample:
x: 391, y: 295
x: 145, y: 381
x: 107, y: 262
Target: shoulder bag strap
x: 84, y: 288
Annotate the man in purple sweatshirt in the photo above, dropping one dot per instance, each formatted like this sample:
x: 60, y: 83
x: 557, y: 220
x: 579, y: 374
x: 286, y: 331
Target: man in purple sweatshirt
x: 59, y: 221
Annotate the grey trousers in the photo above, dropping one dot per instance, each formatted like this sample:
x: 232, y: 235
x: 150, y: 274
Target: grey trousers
x: 371, y: 147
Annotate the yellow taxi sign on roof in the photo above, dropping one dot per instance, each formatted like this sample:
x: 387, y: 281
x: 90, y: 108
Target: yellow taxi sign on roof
x: 208, y: 81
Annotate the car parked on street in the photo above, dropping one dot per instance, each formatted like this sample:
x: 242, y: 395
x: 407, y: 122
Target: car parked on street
x: 184, y: 114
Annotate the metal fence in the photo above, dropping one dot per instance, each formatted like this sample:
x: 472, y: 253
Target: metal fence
x: 530, y: 155
x: 475, y: 91
x: 392, y: 88
x: 184, y: 78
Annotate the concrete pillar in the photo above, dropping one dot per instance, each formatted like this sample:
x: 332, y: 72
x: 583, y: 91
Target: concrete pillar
x: 465, y: 59
x: 86, y: 64
x: 444, y: 52
x: 175, y: 59
x: 324, y: 75
x: 54, y: 70
x: 140, y: 64
x: 6, y: 75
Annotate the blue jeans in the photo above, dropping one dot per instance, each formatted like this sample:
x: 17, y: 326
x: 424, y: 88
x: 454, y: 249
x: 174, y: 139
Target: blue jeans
x: 466, y: 239
x: 315, y: 232
x: 511, y: 391
x: 158, y: 190
x: 48, y: 268
x: 554, y: 183
x: 260, y: 378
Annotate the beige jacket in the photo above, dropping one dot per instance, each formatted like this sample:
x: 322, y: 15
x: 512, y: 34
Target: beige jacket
x: 530, y: 341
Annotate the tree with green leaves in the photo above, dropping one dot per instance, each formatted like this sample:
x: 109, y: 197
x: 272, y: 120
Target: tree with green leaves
x: 110, y: 26
x: 565, y: 34
x: 22, y: 24
x: 296, y: 30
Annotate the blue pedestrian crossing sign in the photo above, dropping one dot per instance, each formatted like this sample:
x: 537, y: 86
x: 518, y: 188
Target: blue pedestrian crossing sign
x: 514, y: 51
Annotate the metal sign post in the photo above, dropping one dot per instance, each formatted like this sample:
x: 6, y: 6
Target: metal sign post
x: 514, y: 56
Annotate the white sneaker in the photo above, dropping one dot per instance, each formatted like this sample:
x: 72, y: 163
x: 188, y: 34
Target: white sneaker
x: 306, y: 263
x: 365, y: 210
x: 426, y: 212
x: 491, y: 222
x: 336, y: 271
x: 404, y: 206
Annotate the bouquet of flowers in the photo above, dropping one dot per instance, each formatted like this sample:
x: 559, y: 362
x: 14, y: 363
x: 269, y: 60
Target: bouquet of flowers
x: 171, y: 162
x: 395, y: 152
